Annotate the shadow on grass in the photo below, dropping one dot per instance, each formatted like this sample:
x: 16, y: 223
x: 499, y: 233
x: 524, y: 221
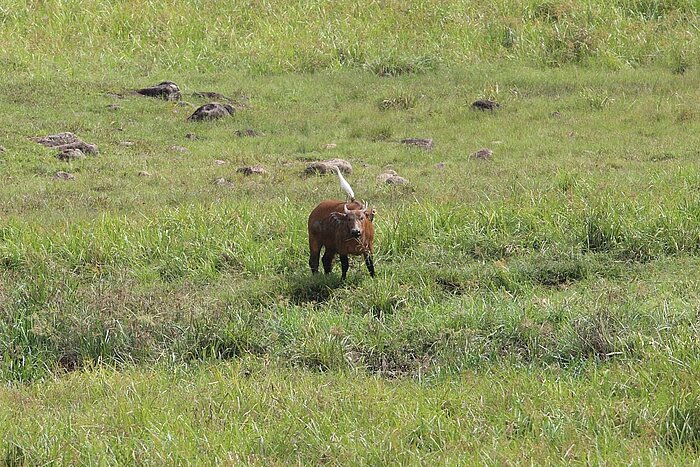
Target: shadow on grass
x: 313, y: 289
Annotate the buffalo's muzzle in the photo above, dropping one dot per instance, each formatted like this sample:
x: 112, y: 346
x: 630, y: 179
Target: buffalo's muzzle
x: 355, y: 233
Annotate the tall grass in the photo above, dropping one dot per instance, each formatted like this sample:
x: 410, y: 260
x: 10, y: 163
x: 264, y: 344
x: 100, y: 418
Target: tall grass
x: 59, y: 313
x: 386, y: 38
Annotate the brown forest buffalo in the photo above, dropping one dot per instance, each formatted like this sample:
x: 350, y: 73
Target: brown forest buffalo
x: 342, y: 228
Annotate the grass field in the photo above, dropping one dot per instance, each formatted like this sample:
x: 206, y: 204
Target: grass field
x: 541, y: 306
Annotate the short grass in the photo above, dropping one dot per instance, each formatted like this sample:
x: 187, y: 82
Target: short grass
x: 541, y: 306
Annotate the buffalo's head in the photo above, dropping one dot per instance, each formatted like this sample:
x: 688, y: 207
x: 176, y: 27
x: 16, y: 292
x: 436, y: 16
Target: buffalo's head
x: 353, y: 220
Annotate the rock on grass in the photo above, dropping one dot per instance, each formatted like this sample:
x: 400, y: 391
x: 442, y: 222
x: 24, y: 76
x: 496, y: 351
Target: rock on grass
x: 66, y: 140
x: 59, y: 139
x: 64, y: 176
x: 252, y: 170
x: 328, y: 166
x: 211, y: 111
x: 482, y: 154
x: 424, y: 143
x: 224, y: 183
x: 70, y: 155
x: 248, y: 133
x: 212, y: 95
x: 390, y: 177
x: 485, y: 104
x: 164, y: 90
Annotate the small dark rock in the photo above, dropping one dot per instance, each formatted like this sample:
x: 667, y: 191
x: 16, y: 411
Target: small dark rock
x: 252, y: 170
x: 212, y: 111
x: 326, y: 167
x: 483, y: 153
x: 556, y: 114
x: 127, y: 144
x: 2, y: 149
x: 143, y: 173
x: 70, y: 155
x: 248, y: 132
x: 114, y: 107
x: 191, y: 136
x: 440, y: 165
x: 64, y: 176
x: 425, y: 143
x: 164, y: 90
x: 485, y: 104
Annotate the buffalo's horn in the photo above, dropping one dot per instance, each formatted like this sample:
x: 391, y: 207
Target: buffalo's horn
x: 345, y: 208
x: 364, y: 209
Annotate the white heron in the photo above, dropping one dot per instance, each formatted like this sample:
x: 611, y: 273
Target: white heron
x: 345, y: 185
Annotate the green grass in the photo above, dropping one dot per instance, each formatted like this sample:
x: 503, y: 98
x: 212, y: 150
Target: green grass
x: 257, y: 413
x: 387, y: 38
x: 540, y: 306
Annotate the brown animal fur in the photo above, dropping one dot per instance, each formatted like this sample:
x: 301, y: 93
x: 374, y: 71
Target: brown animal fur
x: 331, y: 228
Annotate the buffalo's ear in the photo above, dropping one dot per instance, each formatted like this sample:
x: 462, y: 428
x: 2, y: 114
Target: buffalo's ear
x: 370, y: 214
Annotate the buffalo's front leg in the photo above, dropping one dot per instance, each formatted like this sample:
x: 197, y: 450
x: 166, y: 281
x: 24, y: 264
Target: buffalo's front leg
x: 370, y: 265
x: 328, y: 260
x: 344, y: 265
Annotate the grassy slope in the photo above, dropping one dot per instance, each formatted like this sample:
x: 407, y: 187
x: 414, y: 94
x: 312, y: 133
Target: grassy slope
x: 564, y: 269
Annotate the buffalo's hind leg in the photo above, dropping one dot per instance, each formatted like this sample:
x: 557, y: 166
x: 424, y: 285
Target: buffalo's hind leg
x: 315, y: 252
x: 328, y: 260
x: 344, y: 265
x: 370, y: 265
